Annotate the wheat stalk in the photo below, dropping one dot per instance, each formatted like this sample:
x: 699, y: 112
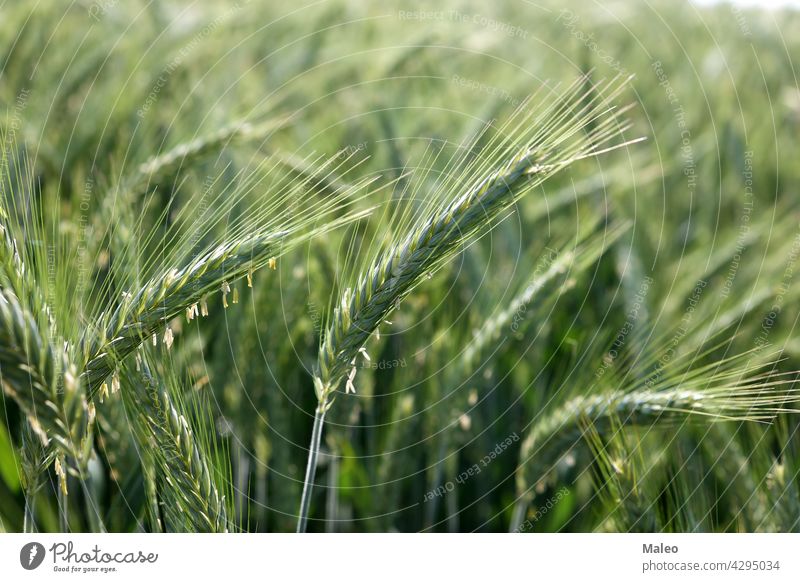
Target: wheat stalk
x: 539, y: 146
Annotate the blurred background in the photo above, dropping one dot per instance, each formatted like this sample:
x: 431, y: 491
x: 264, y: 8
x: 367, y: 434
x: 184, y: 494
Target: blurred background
x: 494, y: 401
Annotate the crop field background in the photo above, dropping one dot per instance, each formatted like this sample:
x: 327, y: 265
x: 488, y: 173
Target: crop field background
x: 389, y: 266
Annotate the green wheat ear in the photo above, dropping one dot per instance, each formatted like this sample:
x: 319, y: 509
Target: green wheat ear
x: 541, y: 286
x: 732, y: 389
x: 16, y: 273
x: 183, y: 475
x: 36, y: 367
x: 287, y: 217
x: 539, y: 143
x: 41, y: 380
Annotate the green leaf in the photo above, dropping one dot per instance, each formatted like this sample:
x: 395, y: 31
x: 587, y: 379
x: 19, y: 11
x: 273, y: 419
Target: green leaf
x: 9, y: 468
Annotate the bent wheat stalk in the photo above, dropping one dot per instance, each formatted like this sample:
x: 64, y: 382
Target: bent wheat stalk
x: 539, y: 145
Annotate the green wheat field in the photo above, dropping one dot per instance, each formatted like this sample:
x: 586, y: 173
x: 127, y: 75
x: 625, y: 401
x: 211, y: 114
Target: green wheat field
x: 390, y: 266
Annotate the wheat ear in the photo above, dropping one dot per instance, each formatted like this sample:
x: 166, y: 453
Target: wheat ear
x: 539, y: 145
x: 434, y: 238
x: 17, y: 277
x: 14, y: 272
x: 40, y: 379
x: 568, y: 262
x: 731, y: 395
x: 168, y: 163
x: 562, y: 429
x: 191, y: 500
x: 141, y: 314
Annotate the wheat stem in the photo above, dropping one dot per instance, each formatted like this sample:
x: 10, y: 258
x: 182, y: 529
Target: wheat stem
x: 311, y: 467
